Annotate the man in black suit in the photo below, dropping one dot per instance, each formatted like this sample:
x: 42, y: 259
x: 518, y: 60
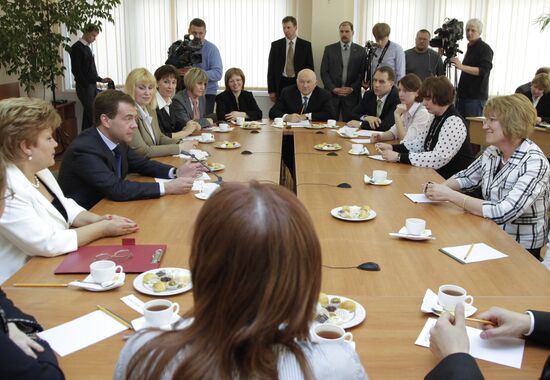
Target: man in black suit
x: 342, y: 70
x: 85, y: 73
x: 287, y: 57
x: 375, y: 111
x: 97, y: 161
x: 303, y: 101
x: 449, y: 340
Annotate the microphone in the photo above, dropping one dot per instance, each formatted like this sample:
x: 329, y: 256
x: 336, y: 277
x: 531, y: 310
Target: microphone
x: 219, y: 179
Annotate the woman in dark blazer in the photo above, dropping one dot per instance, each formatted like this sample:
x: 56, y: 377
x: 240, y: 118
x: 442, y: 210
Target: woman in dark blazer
x: 539, y: 95
x: 235, y: 102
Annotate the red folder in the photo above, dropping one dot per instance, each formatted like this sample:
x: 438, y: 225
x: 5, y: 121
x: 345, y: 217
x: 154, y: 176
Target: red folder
x: 134, y: 258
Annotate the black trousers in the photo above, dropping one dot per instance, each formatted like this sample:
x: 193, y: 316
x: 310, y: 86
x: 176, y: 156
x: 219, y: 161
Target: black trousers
x: 86, y: 94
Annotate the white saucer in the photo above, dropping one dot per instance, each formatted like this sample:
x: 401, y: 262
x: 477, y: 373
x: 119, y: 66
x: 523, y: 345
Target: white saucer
x: 89, y: 284
x: 202, y: 196
x: 369, y: 181
x: 365, y: 151
x: 141, y: 323
x: 430, y: 301
x: 206, y: 141
x: 377, y: 157
x: 403, y: 233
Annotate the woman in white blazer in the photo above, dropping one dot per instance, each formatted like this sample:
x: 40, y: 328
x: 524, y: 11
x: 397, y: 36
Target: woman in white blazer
x: 37, y: 219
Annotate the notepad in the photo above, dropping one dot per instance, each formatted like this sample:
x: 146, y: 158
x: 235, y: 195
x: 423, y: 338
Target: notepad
x: 505, y: 351
x: 367, y: 133
x: 419, y: 198
x: 479, y: 252
x: 81, y: 332
x: 360, y: 141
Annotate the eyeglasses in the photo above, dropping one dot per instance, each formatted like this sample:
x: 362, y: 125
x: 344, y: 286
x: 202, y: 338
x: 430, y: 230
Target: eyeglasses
x: 118, y: 257
x: 9, y: 196
x: 490, y: 120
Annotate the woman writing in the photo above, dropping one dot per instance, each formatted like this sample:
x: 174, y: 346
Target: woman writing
x: 236, y: 102
x: 255, y: 291
x: 189, y: 105
x: 148, y: 140
x: 37, y: 216
x: 411, y: 117
x: 445, y: 145
x: 512, y: 174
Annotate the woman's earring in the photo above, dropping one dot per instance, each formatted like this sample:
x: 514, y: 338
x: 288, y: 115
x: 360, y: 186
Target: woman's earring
x: 30, y: 157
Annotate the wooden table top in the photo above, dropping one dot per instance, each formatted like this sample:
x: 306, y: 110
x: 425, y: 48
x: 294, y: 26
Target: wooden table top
x: 392, y: 297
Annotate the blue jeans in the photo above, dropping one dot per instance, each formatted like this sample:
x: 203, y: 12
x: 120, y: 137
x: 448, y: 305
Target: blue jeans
x: 470, y: 107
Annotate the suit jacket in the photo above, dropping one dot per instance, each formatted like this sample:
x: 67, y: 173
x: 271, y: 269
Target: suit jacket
x: 183, y: 110
x: 142, y: 143
x: 83, y: 64
x: 463, y: 366
x: 367, y: 106
x: 31, y: 225
x: 14, y: 363
x: 319, y: 105
x: 332, y: 67
x: 543, y: 106
x: 88, y: 172
x: 303, y: 59
x: 167, y: 121
x: 226, y: 102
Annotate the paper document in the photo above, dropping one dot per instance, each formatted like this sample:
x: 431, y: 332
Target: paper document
x: 377, y: 157
x: 301, y: 124
x: 81, y: 332
x: 505, y: 351
x: 133, y: 302
x: 367, y: 133
x: 419, y: 198
x: 360, y: 141
x: 479, y: 252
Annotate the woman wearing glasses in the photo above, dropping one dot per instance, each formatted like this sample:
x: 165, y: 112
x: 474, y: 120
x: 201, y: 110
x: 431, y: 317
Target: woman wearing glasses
x: 512, y: 174
x: 38, y: 220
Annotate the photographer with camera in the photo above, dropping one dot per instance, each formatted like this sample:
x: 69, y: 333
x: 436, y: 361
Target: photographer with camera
x: 195, y: 51
x: 473, y: 87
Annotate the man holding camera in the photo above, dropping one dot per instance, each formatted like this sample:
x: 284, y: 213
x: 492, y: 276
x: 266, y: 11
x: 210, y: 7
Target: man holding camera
x: 473, y: 87
x: 385, y: 53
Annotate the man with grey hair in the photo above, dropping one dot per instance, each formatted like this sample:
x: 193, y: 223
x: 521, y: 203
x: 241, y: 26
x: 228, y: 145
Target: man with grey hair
x: 473, y: 87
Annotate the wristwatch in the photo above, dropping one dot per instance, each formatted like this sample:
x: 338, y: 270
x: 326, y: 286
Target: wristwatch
x: 398, y: 157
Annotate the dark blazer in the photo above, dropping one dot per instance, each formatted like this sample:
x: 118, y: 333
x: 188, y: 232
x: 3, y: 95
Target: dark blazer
x: 303, y: 59
x: 463, y: 366
x: 543, y: 106
x: 226, y: 102
x: 88, y: 172
x: 167, y: 121
x: 319, y: 105
x: 183, y: 110
x: 367, y: 106
x: 332, y: 67
x: 83, y: 64
x: 14, y: 363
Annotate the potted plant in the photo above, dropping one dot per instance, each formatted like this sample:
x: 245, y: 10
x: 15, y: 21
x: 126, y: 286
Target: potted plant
x: 31, y: 36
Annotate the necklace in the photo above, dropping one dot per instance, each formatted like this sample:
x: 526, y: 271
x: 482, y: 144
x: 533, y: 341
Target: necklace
x: 36, y: 183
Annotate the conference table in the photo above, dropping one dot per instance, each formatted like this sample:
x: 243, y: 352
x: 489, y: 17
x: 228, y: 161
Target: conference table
x: 391, y: 297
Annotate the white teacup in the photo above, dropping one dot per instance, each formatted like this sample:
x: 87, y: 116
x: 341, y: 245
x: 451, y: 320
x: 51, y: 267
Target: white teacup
x: 104, y: 270
x: 159, y: 313
x: 278, y: 121
x: 208, y: 188
x: 379, y: 175
x: 207, y: 137
x: 239, y: 121
x: 223, y: 126
x: 357, y: 148
x: 331, y: 333
x: 331, y: 123
x: 415, y: 226
x: 451, y: 295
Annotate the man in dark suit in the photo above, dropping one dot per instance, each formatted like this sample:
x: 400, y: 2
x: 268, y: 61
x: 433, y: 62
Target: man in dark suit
x: 375, y: 111
x: 303, y: 101
x: 342, y: 70
x: 97, y: 161
x: 449, y: 340
x: 287, y: 57
x: 85, y: 73
x: 539, y: 95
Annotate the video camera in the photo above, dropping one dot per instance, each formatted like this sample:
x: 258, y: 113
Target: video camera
x: 184, y: 53
x: 447, y: 38
x: 370, y: 48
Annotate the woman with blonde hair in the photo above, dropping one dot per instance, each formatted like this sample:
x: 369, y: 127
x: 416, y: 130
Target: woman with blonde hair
x: 255, y: 291
x: 38, y: 220
x: 512, y: 174
x: 148, y: 140
x: 189, y: 104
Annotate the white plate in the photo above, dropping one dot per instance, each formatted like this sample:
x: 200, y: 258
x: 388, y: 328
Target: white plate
x: 138, y: 283
x: 403, y: 233
x: 219, y: 145
x: 89, y: 284
x: 355, y: 318
x: 328, y: 148
x: 354, y: 135
x: 316, y: 126
x: 365, y: 151
x: 334, y: 212
x: 368, y: 180
x: 206, y: 141
x: 217, y: 129
x: 202, y: 196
